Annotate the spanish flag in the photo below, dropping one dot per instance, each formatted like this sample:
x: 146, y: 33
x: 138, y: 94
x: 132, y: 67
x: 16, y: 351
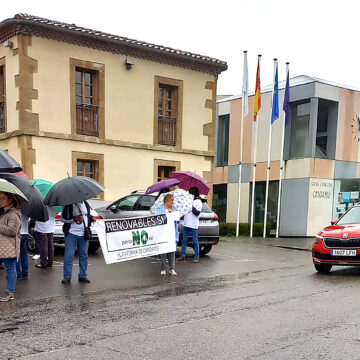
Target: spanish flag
x: 257, y: 99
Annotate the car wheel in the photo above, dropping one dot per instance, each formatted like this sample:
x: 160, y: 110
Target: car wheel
x: 93, y: 246
x: 323, y: 268
x: 31, y: 242
x: 205, y: 249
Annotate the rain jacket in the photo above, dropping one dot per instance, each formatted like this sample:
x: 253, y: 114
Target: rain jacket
x: 10, y: 224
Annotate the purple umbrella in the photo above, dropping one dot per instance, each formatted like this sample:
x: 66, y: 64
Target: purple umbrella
x: 189, y: 179
x: 163, y: 184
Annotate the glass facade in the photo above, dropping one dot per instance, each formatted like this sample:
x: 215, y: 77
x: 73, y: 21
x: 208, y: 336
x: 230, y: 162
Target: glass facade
x: 300, y: 130
x: 220, y: 201
x: 259, y: 202
x: 223, y: 140
x: 346, y: 194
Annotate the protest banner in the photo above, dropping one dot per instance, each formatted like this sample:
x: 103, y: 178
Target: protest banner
x: 134, y: 238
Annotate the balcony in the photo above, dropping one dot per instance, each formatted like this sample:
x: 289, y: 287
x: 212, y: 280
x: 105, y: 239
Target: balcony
x: 2, y: 117
x: 87, y: 119
x: 167, y: 131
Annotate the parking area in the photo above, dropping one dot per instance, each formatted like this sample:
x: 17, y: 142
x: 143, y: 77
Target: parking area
x: 231, y: 256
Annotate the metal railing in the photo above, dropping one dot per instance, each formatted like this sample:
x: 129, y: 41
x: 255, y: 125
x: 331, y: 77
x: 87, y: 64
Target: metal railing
x: 87, y: 119
x: 167, y: 131
x: 2, y: 117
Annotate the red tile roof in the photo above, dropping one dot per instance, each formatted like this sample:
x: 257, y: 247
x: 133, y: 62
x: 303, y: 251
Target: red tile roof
x: 128, y: 46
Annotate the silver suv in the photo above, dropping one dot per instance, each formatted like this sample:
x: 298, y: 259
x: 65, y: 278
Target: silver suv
x: 139, y: 204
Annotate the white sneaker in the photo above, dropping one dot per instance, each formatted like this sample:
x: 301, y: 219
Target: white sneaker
x: 172, y: 272
x: 8, y: 295
x: 163, y: 272
x: 36, y: 257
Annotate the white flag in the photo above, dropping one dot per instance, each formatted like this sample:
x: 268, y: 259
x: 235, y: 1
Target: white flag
x: 245, y: 88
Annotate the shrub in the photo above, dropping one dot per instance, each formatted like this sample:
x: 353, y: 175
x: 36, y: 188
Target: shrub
x: 229, y: 229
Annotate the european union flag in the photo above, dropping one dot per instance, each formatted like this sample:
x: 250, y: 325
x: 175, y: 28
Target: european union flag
x: 275, y: 104
x: 286, y: 105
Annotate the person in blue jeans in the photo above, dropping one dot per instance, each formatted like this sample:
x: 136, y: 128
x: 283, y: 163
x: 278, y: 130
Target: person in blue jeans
x: 22, y: 265
x: 191, y: 225
x: 76, y: 217
x: 10, y: 224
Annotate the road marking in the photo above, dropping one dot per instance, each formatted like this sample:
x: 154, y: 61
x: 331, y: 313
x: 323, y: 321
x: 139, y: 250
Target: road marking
x: 235, y: 258
x: 216, y: 254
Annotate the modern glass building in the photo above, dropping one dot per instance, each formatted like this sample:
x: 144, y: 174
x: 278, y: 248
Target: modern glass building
x: 321, y: 157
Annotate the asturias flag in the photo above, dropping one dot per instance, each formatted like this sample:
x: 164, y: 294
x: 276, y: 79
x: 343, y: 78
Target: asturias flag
x: 286, y: 105
x: 275, y: 103
x: 257, y: 99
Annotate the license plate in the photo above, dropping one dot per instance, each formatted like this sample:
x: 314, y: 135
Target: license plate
x: 205, y: 221
x: 343, y: 252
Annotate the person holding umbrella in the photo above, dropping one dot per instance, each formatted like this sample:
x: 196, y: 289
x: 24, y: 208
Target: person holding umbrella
x: 10, y: 223
x: 77, y: 219
x: 72, y: 193
x: 191, y: 225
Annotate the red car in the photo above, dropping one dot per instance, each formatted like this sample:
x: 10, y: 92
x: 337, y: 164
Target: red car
x: 338, y: 244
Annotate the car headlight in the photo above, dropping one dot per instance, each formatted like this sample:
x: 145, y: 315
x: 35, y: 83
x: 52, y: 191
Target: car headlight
x: 317, y: 239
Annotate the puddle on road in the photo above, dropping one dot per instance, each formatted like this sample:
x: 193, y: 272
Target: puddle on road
x: 198, y: 286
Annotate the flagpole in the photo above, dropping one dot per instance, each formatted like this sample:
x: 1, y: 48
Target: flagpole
x: 281, y: 163
x: 241, y: 144
x: 269, y: 156
x: 254, y: 167
x: 253, y: 181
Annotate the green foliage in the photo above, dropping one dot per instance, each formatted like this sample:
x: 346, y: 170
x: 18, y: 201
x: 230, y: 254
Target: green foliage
x: 229, y: 229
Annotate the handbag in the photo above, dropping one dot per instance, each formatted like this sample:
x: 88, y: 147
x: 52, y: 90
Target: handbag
x: 87, y: 230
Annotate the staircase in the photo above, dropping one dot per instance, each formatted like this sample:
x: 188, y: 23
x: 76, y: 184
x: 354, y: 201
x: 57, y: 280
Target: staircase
x: 261, y: 209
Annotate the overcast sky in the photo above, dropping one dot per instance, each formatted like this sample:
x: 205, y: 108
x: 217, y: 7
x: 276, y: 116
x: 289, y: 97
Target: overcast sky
x: 318, y: 37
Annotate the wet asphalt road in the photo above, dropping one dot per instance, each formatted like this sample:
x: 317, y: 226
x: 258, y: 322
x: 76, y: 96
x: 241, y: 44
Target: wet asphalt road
x: 246, y: 300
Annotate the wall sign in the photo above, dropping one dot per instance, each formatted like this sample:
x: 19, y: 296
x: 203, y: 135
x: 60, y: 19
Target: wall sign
x: 321, y: 189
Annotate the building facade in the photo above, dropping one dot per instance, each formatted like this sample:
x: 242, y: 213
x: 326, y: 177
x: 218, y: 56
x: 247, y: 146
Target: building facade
x: 321, y: 157
x: 125, y: 112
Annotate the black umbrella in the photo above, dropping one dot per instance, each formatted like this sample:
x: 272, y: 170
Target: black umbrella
x: 73, y: 190
x: 8, y: 164
x: 35, y: 207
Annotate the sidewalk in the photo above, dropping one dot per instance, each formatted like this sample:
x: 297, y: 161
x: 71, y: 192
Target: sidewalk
x: 303, y: 244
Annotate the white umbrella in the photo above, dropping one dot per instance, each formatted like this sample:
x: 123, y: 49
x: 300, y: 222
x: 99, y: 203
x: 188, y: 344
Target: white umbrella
x: 183, y: 201
x: 6, y: 186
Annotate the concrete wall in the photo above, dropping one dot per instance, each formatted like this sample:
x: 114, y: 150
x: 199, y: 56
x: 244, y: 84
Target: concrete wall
x: 232, y: 200
x: 347, y: 144
x: 125, y: 169
x: 320, y: 205
x: 294, y: 207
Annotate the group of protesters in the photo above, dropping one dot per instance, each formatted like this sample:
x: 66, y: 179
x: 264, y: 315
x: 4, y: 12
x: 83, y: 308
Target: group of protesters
x: 14, y: 241
x: 77, y: 220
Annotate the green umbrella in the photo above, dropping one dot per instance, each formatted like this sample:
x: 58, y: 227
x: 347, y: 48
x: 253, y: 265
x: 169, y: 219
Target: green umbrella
x: 8, y: 187
x: 44, y: 186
